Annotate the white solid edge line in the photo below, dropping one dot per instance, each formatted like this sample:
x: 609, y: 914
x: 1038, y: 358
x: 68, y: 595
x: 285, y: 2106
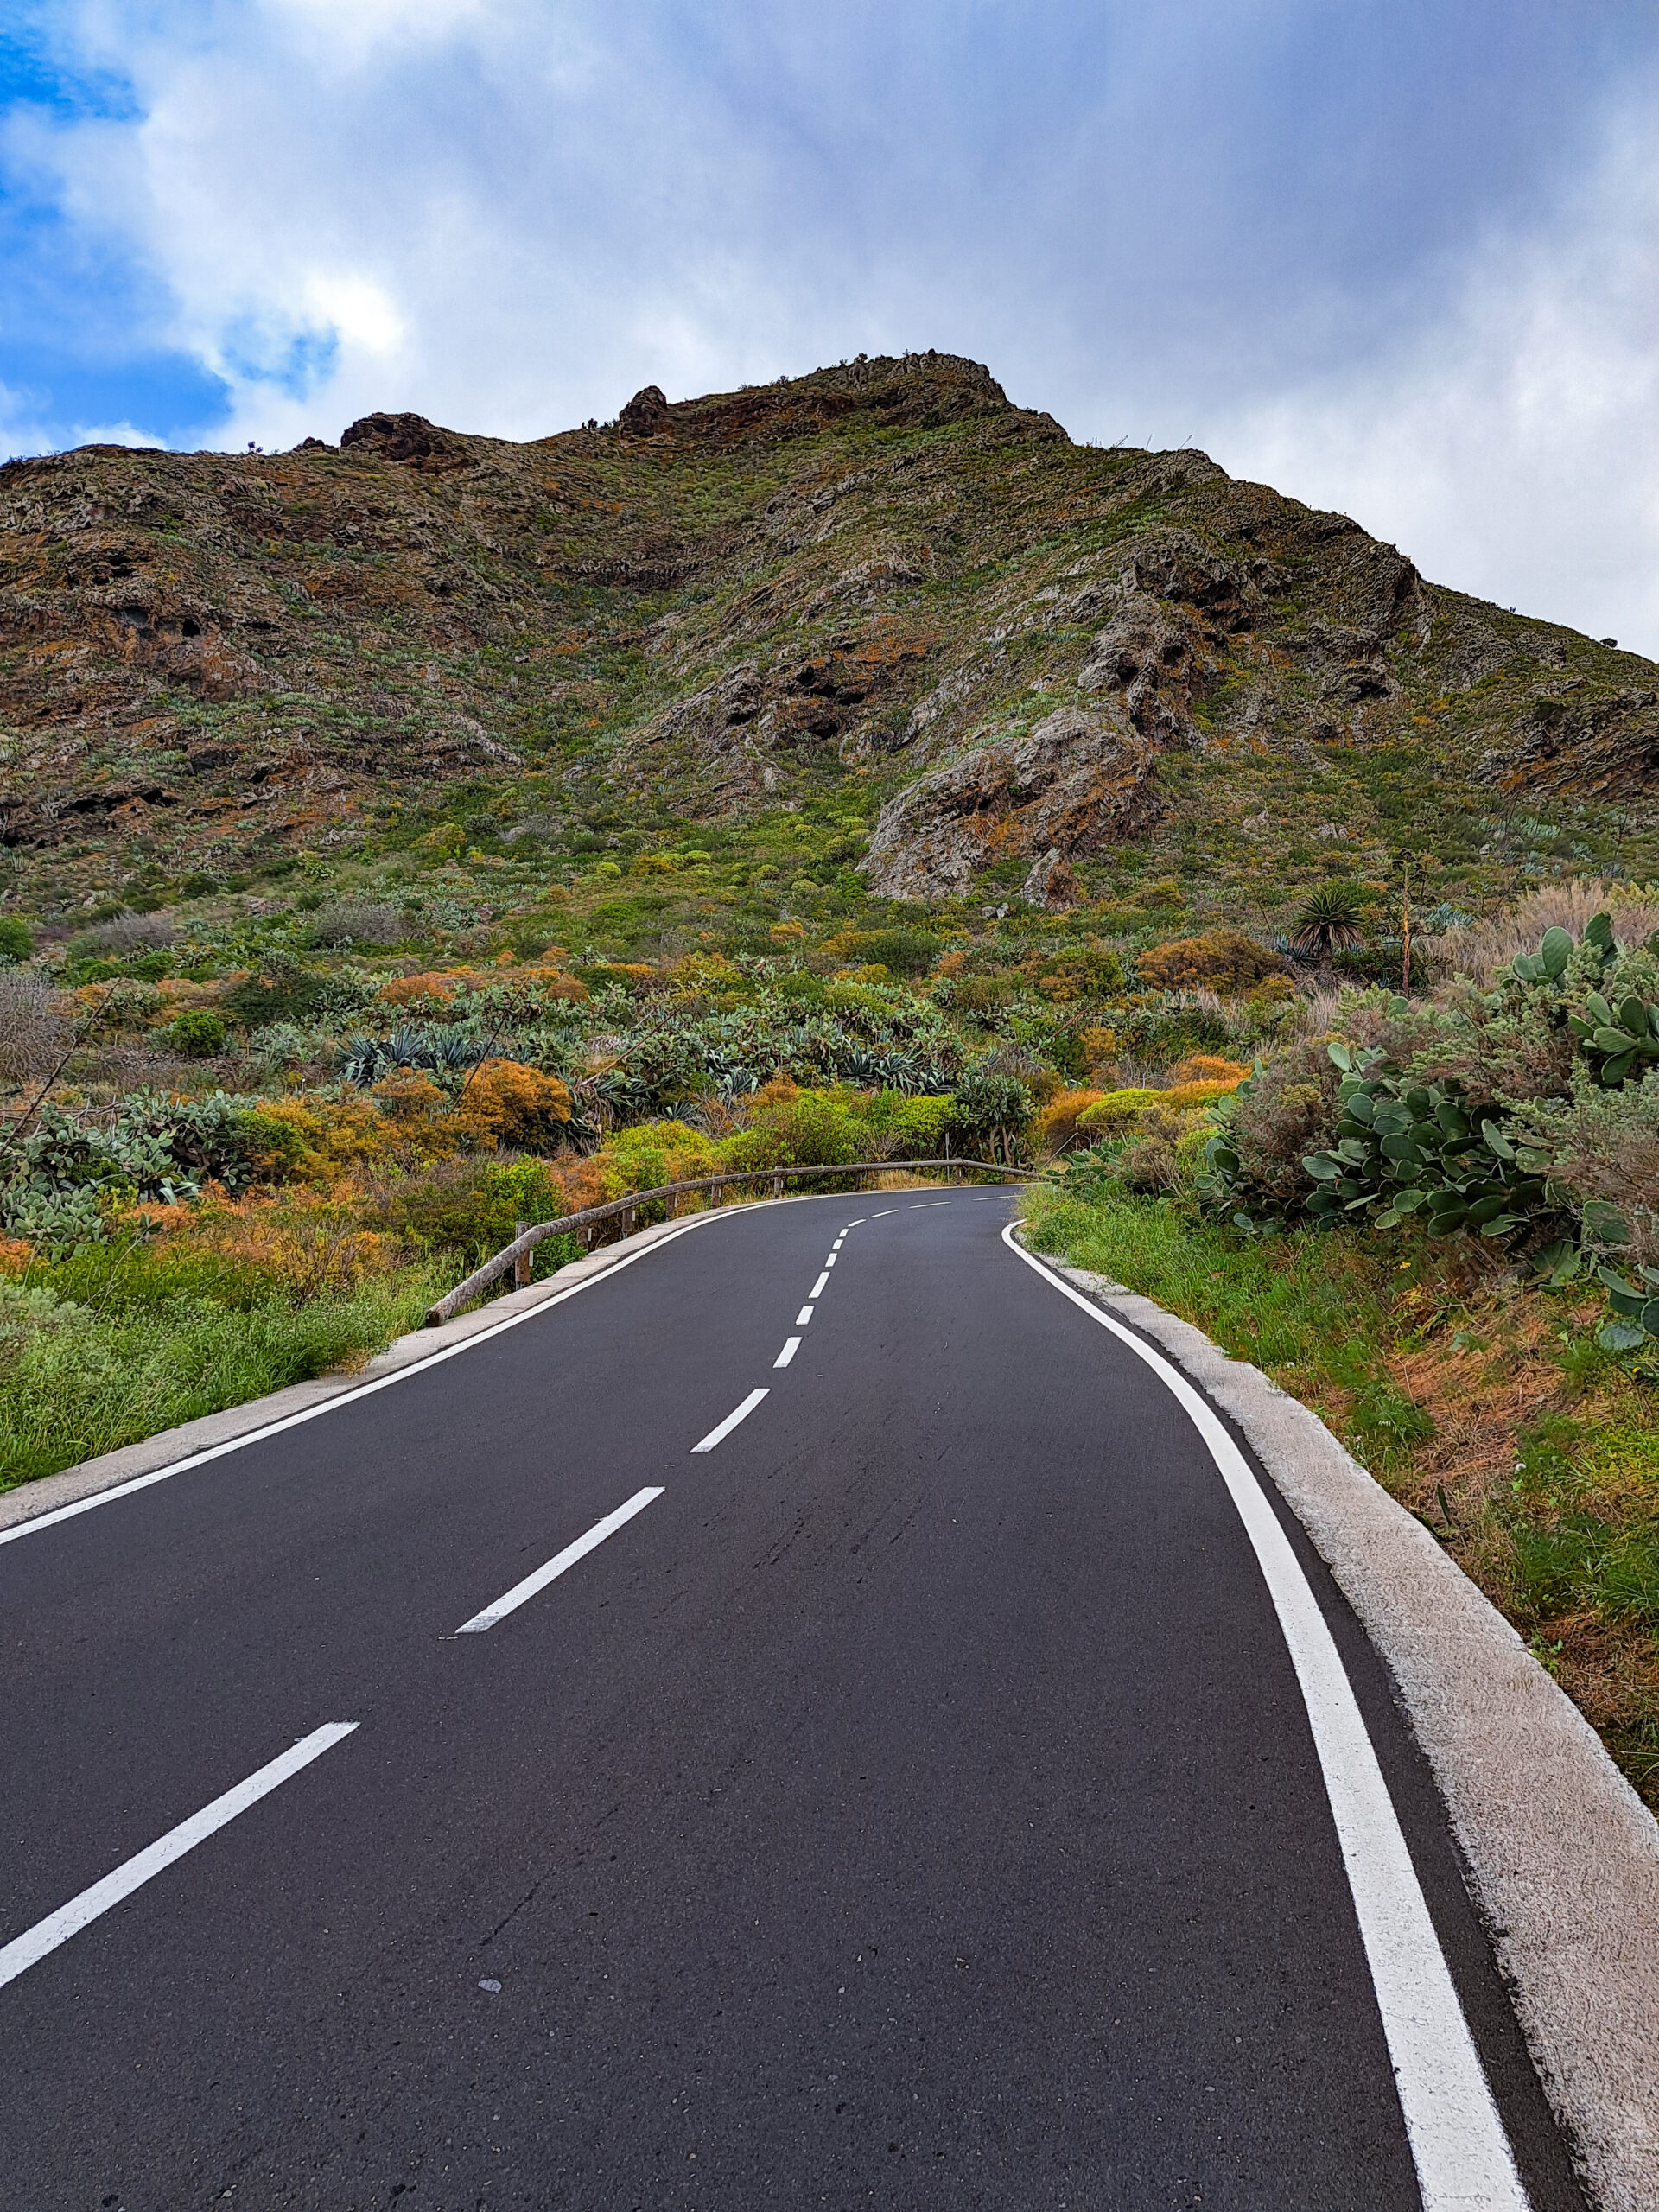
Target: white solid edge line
x: 791, y: 1346
x: 817, y: 1289
x: 803, y: 1317
x: 368, y: 1389
x: 1458, y: 2141
x: 521, y: 1593
x: 740, y: 1412
x: 24, y: 1951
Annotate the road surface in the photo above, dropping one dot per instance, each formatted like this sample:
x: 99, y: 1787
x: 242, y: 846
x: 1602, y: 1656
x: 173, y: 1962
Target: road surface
x: 525, y: 1785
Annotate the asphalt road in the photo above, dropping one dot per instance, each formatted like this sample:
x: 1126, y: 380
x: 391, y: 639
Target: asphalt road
x: 910, y: 1803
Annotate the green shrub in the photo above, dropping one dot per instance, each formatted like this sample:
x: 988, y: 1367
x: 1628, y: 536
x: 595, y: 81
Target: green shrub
x: 654, y: 1153
x: 901, y: 951
x: 463, y: 1211
x: 1077, y: 971
x: 357, y: 921
x: 891, y: 1126
x: 814, y: 1128
x: 88, y: 1383
x: 990, y: 1104
x: 280, y: 989
x: 1114, y: 1113
x: 16, y: 940
x: 197, y: 1033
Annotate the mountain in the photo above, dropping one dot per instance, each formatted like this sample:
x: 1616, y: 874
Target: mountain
x: 1021, y: 666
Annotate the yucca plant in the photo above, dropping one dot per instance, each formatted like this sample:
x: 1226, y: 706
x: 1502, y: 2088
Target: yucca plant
x: 1329, y: 920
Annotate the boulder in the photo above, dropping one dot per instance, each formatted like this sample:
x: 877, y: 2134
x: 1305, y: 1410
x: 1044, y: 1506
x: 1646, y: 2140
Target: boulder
x: 644, y: 414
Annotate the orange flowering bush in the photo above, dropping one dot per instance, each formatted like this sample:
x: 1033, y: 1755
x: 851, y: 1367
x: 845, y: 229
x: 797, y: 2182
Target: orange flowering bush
x: 307, y: 1251
x: 1208, y: 1067
x: 411, y: 990
x: 507, y: 1103
x: 315, y: 1140
x: 1057, y: 1124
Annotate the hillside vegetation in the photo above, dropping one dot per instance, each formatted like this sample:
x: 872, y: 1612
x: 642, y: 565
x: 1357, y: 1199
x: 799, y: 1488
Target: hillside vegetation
x: 410, y: 838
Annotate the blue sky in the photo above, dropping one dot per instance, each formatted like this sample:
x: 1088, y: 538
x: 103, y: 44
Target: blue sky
x: 1402, y: 260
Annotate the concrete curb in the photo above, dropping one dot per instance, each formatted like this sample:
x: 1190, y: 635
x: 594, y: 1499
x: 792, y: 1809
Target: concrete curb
x: 1562, y: 1855
x: 28, y: 1501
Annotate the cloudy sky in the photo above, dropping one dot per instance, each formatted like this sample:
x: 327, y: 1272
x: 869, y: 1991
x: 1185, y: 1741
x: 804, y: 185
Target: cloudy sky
x: 1400, y: 259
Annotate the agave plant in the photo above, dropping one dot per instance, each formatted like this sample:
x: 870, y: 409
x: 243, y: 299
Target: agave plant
x: 365, y: 1060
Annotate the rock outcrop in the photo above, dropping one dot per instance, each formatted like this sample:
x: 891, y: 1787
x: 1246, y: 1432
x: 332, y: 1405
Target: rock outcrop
x: 1074, y: 782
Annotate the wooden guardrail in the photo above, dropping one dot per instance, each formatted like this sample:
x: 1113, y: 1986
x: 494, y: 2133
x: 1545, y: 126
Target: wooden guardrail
x: 591, y: 1220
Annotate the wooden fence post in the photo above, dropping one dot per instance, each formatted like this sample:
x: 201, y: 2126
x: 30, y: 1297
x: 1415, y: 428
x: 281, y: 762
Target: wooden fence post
x: 524, y: 1263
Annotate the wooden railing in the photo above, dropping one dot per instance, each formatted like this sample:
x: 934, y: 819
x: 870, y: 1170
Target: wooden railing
x: 592, y: 1220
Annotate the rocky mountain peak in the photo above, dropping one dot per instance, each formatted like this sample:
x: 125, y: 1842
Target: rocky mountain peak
x: 1022, y: 663
x: 407, y: 438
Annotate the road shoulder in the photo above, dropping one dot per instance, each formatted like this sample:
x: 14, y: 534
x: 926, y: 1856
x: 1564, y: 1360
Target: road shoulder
x: 1562, y: 1856
x: 214, y: 1432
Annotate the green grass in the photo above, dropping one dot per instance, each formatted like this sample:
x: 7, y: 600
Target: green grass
x: 1310, y: 1309
x: 1545, y: 1483
x: 76, y: 1381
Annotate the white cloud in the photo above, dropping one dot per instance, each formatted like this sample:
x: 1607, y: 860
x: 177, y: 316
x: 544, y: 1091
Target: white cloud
x: 1513, y: 448
x: 23, y: 431
x: 508, y: 214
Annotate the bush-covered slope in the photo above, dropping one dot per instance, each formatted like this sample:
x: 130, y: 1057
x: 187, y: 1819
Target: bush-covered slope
x: 881, y: 593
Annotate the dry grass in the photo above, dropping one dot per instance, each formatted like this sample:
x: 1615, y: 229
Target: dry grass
x: 34, y: 1030
x: 1479, y: 948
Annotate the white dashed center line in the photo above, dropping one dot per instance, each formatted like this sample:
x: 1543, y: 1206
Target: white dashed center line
x: 830, y: 1262
x: 884, y: 1211
x: 930, y: 1202
x: 791, y: 1346
x: 803, y: 1317
x: 816, y: 1290
x: 739, y: 1413
x: 23, y: 1951
x: 522, y: 1592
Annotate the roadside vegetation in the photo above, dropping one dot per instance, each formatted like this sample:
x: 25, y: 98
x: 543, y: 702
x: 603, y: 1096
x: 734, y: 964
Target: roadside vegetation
x: 1435, y: 1218
x: 248, y: 1138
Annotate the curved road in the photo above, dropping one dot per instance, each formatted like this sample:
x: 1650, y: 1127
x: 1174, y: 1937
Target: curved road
x: 957, y: 1784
